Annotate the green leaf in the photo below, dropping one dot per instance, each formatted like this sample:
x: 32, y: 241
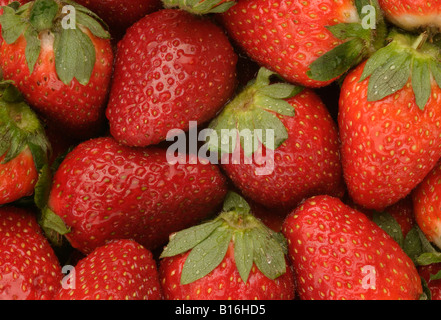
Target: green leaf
x: 277, y: 105
x: 13, y: 25
x: 429, y: 258
x: 435, y: 69
x: 42, y: 14
x: 53, y: 226
x: 234, y: 202
x: 268, y: 255
x: 412, y: 245
x: 92, y: 24
x: 421, y: 82
x: 264, y: 121
x: 388, y: 223
x: 33, y: 47
x: 187, y: 239
x: 43, y: 187
x: 223, y: 137
x: 279, y: 90
x: 74, y: 56
x: 378, y: 59
x: 206, y: 256
x: 337, y: 61
x: 243, y: 253
x: 435, y: 276
x: 345, y: 31
x: 390, y: 77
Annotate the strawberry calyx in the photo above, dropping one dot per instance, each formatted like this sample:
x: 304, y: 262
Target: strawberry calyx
x: 360, y: 40
x: 254, y: 243
x: 405, y: 57
x: 248, y: 117
x: 200, y: 7
x: 67, y: 24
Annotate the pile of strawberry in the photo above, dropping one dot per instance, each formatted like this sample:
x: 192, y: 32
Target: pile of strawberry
x: 335, y: 194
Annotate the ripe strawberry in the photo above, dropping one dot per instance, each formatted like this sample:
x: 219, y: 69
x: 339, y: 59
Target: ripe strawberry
x: 171, y: 68
x: 232, y: 257
x: 24, y: 147
x: 431, y: 276
x: 119, y: 270
x: 29, y: 269
x: 103, y: 191
x: 427, y: 205
x: 284, y: 144
x: 63, y: 70
x: 120, y: 15
x: 311, y: 43
x: 338, y: 253
x: 412, y: 15
x: 389, y: 121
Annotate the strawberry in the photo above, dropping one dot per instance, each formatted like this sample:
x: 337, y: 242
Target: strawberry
x: 62, y: 69
x: 311, y: 43
x: 412, y: 15
x: 338, y: 253
x: 171, y: 68
x: 431, y: 275
x: 120, y: 15
x: 389, y: 121
x: 233, y: 257
x: 284, y: 144
x: 29, y: 269
x: 103, y: 190
x: 24, y: 147
x: 119, y: 270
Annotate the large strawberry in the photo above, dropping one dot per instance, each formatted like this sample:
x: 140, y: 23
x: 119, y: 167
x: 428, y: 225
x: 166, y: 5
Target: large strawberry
x: 412, y: 14
x: 29, y: 269
x: 389, y: 121
x: 120, y: 15
x: 338, y: 253
x: 103, y: 190
x: 278, y: 143
x: 119, y: 270
x: 63, y: 68
x: 171, y: 68
x: 307, y: 42
x: 24, y: 147
x: 233, y: 257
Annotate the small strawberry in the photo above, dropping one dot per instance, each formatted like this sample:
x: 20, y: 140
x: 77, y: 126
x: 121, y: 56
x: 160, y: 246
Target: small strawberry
x: 24, y: 147
x: 278, y: 143
x: 63, y: 69
x: 233, y: 257
x: 311, y: 43
x: 171, y: 68
x: 29, y: 269
x: 431, y: 275
x: 103, y: 190
x: 412, y: 14
x: 338, y: 253
x: 119, y: 270
x: 120, y: 15
x: 390, y: 125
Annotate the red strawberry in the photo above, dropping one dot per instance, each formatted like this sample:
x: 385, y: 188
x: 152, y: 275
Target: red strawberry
x: 63, y: 70
x: 431, y: 275
x: 411, y: 14
x: 338, y: 253
x: 119, y: 270
x: 389, y: 121
x: 426, y: 201
x: 103, y: 191
x: 233, y: 257
x: 29, y: 269
x: 307, y: 42
x: 171, y: 68
x: 24, y: 147
x: 120, y: 15
x: 303, y: 158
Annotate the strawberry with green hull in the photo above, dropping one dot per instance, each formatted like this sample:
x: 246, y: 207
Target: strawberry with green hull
x: 390, y: 122
x: 338, y: 253
x: 293, y: 150
x: 311, y: 43
x: 233, y: 257
x: 63, y: 70
x: 29, y: 269
x: 103, y: 190
x: 24, y: 147
x: 171, y: 68
x: 119, y: 270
